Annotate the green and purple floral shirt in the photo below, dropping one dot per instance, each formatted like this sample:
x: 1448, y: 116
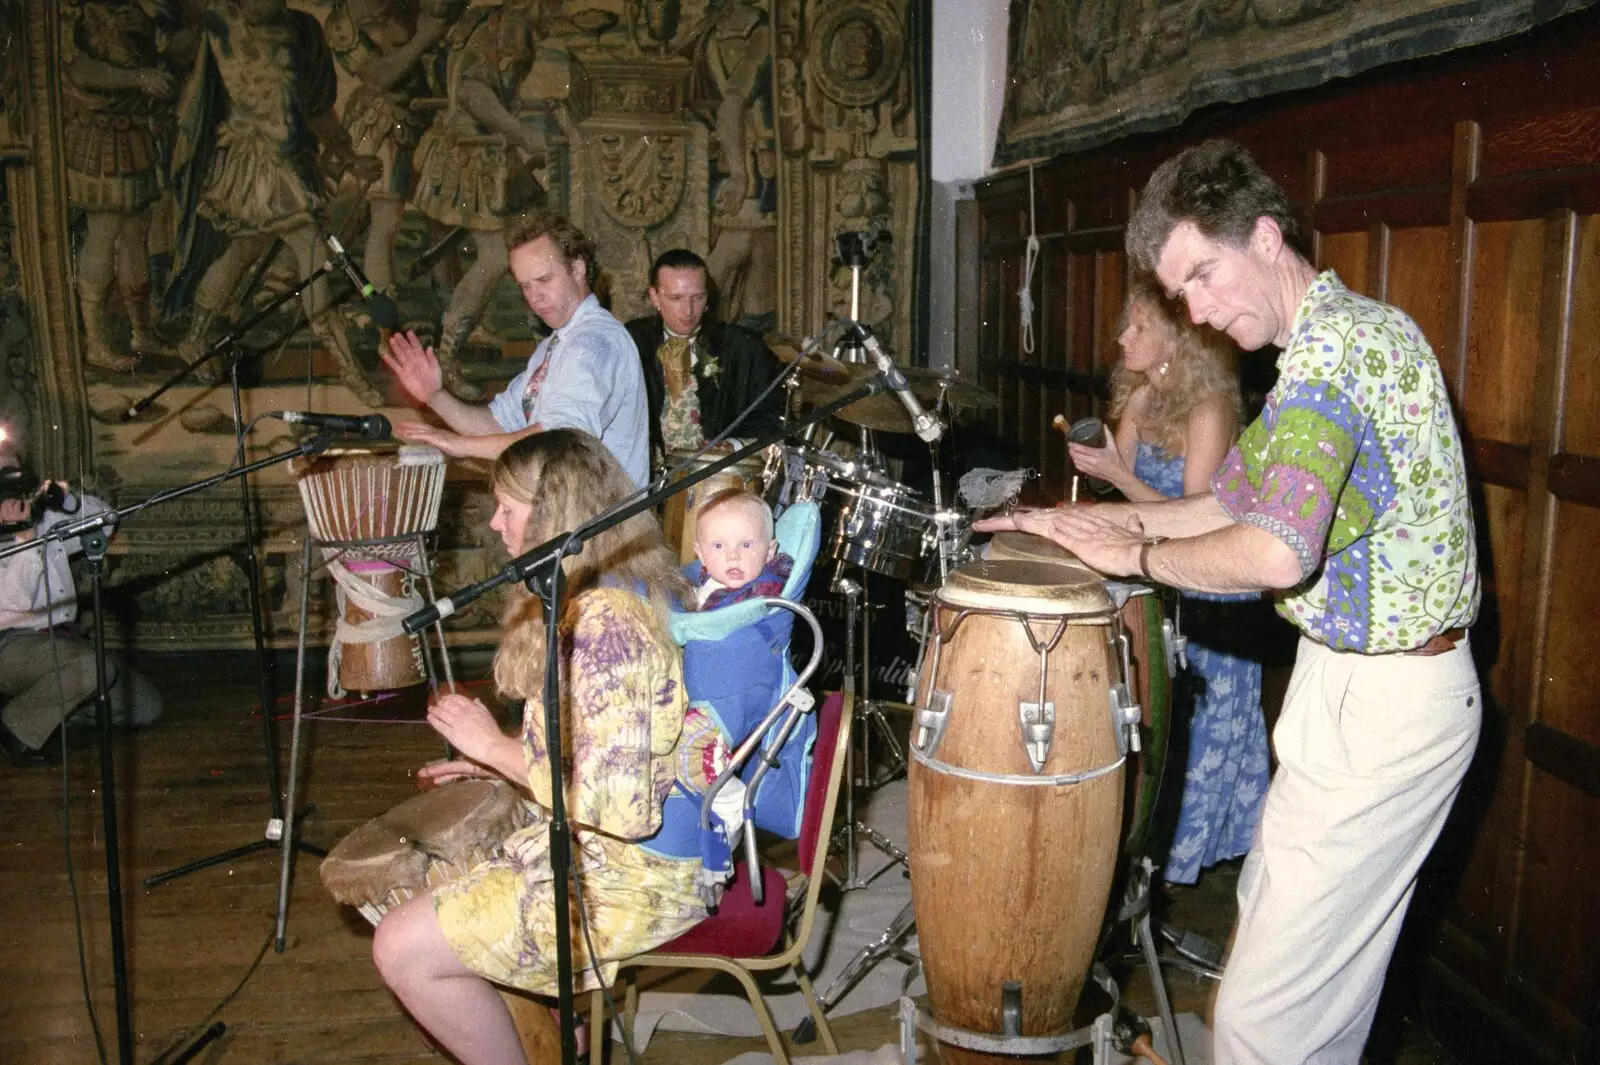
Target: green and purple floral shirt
x: 1356, y: 464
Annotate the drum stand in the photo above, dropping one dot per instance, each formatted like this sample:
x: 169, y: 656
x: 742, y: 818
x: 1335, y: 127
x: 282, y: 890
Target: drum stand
x: 410, y: 553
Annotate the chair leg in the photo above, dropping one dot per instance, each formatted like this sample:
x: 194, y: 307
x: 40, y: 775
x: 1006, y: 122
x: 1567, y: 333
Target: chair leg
x: 815, y: 1007
x: 599, y: 1035
x: 758, y: 1002
x: 539, y: 1034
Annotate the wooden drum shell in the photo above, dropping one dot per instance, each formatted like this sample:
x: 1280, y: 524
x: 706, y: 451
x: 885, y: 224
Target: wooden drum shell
x: 1010, y: 877
x: 1142, y: 617
x: 384, y: 665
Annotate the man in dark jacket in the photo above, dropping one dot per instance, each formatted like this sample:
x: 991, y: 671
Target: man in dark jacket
x: 699, y: 375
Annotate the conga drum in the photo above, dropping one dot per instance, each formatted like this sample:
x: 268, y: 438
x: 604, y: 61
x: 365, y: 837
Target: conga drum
x: 679, y: 512
x: 1015, y: 794
x: 366, y: 509
x: 1141, y: 616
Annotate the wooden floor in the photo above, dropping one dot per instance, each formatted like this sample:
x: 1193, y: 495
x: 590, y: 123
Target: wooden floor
x: 199, y: 946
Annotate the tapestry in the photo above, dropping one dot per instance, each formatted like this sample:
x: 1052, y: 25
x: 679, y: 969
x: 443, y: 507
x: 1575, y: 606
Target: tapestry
x: 1085, y: 72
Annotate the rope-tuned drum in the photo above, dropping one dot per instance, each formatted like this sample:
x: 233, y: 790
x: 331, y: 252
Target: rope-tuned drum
x: 367, y: 510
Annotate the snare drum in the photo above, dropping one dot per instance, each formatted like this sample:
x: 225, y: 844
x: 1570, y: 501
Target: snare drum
x: 1142, y: 618
x: 679, y: 512
x: 367, y: 508
x: 1015, y: 795
x: 425, y: 841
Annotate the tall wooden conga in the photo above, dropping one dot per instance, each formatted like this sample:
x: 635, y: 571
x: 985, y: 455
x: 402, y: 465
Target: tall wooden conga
x: 1142, y: 618
x: 367, y: 509
x: 1016, y: 787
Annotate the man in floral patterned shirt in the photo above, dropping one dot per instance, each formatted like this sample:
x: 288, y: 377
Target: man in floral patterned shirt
x: 1348, y: 498
x: 699, y: 375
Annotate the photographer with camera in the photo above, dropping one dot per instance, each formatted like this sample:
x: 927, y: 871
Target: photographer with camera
x: 47, y: 671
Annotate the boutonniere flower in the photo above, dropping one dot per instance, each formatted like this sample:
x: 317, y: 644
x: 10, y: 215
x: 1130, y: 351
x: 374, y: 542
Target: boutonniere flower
x: 710, y: 368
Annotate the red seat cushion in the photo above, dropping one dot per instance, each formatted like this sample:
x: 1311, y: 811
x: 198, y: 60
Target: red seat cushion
x: 740, y: 929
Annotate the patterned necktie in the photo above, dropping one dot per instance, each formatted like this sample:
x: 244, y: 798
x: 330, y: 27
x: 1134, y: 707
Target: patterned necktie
x: 530, y: 393
x: 674, y: 356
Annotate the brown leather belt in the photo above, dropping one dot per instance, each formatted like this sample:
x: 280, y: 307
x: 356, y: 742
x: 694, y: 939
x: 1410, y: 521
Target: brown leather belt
x: 1440, y: 643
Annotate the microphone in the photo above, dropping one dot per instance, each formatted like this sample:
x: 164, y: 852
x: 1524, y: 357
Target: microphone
x: 927, y: 426
x: 384, y: 312
x: 371, y: 426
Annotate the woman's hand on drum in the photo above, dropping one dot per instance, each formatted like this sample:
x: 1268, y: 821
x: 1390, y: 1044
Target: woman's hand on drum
x: 437, y: 774
x: 469, y: 727
x: 1107, y: 546
x: 414, y: 365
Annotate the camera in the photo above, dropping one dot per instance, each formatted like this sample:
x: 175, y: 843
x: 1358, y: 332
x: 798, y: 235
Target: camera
x: 20, y: 482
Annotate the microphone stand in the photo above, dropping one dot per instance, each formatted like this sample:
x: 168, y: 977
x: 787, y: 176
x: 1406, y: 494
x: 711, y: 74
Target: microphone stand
x: 539, y: 568
x: 93, y: 532
x: 229, y: 345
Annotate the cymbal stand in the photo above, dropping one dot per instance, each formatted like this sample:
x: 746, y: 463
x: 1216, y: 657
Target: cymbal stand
x: 854, y: 593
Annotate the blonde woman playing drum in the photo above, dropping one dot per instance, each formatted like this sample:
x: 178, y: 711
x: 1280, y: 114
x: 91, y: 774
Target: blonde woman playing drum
x: 1175, y: 404
x: 442, y: 952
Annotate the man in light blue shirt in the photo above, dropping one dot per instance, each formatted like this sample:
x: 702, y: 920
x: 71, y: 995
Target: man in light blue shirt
x: 586, y: 375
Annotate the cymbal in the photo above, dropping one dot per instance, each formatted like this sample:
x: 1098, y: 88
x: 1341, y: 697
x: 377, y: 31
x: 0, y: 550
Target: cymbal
x: 883, y: 412
x: 928, y: 383
x: 816, y: 365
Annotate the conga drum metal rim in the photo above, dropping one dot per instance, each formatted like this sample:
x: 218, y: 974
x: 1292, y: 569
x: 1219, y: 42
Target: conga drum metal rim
x: 1052, y: 589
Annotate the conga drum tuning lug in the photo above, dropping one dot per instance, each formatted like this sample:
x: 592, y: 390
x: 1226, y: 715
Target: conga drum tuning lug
x: 1038, y: 729
x: 932, y: 720
x: 1176, y: 645
x: 1125, y: 717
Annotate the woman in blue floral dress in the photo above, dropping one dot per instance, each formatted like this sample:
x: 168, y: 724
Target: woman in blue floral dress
x: 1175, y: 403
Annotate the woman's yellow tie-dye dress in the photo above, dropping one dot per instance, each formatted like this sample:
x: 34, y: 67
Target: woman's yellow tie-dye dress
x: 624, y: 732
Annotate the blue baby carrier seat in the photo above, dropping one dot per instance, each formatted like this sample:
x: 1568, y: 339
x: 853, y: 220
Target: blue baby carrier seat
x: 736, y: 669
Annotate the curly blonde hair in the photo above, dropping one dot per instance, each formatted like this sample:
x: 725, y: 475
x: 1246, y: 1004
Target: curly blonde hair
x: 566, y: 476
x: 1200, y: 364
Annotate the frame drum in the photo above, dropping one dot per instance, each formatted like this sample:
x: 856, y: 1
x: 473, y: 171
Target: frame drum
x: 1015, y: 797
x: 1141, y: 620
x: 425, y: 841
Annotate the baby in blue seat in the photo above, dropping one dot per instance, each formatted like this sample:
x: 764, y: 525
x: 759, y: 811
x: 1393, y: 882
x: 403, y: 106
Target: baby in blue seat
x: 739, y: 556
x: 736, y: 660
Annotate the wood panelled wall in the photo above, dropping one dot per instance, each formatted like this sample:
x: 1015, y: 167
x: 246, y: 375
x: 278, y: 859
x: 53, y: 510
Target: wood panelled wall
x: 1465, y: 189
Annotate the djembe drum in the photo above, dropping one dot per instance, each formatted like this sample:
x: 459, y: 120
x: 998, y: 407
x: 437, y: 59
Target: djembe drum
x: 368, y: 510
x: 679, y: 512
x: 1151, y: 685
x: 1015, y: 796
x: 428, y: 839
x: 425, y: 841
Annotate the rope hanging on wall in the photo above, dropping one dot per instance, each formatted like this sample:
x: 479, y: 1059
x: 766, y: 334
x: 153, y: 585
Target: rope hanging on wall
x: 1031, y: 257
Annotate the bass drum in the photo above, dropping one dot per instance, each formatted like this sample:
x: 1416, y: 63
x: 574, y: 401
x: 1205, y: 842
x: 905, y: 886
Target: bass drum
x: 1141, y: 617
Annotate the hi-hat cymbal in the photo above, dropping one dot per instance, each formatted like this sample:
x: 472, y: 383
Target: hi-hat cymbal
x: 818, y: 366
